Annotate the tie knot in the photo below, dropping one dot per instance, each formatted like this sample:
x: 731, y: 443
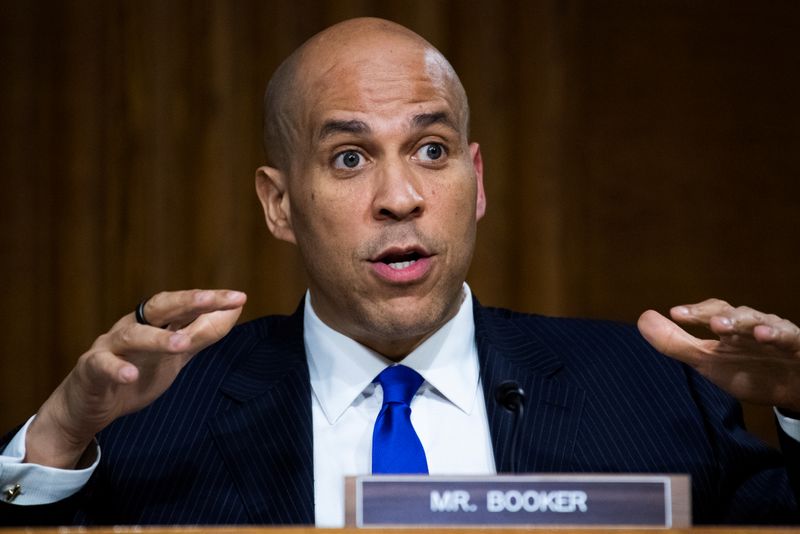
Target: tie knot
x: 399, y: 384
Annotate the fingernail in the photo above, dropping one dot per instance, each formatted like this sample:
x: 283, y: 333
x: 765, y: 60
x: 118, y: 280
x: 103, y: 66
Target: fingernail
x: 177, y: 340
x: 233, y: 295
x: 726, y: 321
x: 681, y: 310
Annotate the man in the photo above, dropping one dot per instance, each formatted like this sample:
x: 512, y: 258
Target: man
x: 372, y: 176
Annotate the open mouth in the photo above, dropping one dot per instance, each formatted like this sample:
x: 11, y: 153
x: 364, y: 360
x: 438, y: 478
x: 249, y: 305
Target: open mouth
x: 402, y: 264
x: 401, y: 258
x: 400, y: 261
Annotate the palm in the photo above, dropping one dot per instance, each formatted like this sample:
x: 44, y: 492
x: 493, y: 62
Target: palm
x: 756, y: 357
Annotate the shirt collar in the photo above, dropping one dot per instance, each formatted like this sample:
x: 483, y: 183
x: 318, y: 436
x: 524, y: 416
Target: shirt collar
x: 341, y: 369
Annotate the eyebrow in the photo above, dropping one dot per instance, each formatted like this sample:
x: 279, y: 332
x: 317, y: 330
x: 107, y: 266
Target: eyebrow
x: 424, y: 120
x: 418, y: 122
x: 332, y: 127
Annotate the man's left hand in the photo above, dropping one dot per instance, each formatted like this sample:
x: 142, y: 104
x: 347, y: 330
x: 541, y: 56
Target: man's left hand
x: 756, y: 358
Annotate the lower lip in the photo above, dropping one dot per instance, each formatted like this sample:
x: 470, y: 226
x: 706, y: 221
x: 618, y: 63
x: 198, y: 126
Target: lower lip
x: 414, y: 272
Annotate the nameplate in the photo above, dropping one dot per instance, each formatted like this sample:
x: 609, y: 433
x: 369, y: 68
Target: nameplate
x: 569, y: 500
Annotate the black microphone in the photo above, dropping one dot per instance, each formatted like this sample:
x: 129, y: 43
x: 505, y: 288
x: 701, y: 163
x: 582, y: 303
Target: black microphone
x: 511, y: 396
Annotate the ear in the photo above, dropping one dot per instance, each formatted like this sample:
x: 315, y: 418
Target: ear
x: 272, y: 192
x: 477, y: 165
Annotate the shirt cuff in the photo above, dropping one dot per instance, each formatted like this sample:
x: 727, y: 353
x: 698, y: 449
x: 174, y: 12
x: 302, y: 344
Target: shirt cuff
x: 38, y: 484
x: 790, y: 426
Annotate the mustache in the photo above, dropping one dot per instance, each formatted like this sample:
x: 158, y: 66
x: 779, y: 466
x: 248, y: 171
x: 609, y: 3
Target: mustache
x: 398, y: 236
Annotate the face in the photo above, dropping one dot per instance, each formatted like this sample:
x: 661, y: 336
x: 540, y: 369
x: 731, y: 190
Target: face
x: 383, y: 194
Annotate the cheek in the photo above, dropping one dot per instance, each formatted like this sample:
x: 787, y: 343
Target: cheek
x: 456, y: 199
x: 328, y: 219
x: 454, y: 206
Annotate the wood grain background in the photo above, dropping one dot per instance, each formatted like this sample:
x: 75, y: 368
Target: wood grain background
x: 639, y: 154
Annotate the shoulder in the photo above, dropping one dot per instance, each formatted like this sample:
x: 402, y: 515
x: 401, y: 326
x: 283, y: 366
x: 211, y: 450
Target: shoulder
x: 278, y: 334
x: 567, y: 331
x: 586, y: 344
x: 610, y: 361
x: 263, y: 329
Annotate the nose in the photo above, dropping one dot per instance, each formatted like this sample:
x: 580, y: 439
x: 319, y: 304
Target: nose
x: 398, y: 195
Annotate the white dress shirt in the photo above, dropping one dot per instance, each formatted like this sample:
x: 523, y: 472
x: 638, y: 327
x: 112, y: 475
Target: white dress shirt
x: 448, y: 412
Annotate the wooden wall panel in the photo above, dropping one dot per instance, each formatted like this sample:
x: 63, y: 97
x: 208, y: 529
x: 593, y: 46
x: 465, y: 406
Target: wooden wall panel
x: 638, y: 154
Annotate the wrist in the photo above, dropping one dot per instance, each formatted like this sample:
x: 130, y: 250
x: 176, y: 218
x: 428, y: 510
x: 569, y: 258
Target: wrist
x: 48, y: 443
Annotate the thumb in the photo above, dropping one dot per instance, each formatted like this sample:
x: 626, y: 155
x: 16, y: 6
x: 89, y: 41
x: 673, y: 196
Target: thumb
x: 211, y: 327
x: 669, y: 338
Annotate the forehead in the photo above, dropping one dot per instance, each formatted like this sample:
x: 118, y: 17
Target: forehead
x: 385, y: 85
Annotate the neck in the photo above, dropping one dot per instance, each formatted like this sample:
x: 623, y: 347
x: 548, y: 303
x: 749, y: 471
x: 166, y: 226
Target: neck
x: 395, y: 350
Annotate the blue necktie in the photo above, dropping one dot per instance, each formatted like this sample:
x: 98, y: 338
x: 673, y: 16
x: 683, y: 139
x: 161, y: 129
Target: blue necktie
x: 395, y: 445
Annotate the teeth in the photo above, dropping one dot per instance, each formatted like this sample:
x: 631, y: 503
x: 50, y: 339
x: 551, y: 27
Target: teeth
x: 399, y: 265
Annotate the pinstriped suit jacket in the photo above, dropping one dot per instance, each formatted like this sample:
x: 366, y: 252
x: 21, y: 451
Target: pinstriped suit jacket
x: 231, y: 440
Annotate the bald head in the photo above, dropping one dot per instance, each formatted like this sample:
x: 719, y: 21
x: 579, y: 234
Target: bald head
x: 329, y: 58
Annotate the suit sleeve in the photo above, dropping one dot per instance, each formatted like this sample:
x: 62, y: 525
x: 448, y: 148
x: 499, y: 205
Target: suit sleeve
x: 791, y: 453
x: 757, y: 484
x: 38, y: 481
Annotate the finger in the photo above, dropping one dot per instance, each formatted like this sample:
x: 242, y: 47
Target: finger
x: 134, y: 338
x: 740, y: 321
x: 210, y: 328
x: 783, y: 335
x: 745, y: 324
x: 670, y: 339
x: 182, y: 307
x: 701, y: 312
x: 100, y: 367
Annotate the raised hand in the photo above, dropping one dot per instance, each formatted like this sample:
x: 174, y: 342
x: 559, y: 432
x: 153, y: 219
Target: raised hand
x: 756, y: 357
x: 126, y: 369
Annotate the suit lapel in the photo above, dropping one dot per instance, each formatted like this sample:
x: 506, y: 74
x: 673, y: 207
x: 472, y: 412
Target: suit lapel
x: 508, y: 349
x: 266, y: 438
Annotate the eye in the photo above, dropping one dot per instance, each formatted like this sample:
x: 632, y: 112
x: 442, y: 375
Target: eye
x: 349, y: 159
x: 431, y: 152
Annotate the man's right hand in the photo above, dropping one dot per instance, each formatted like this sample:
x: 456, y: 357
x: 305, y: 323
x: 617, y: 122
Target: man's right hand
x: 126, y: 369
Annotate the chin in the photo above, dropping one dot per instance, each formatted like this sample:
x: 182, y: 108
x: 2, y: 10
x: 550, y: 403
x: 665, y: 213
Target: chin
x: 398, y: 321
